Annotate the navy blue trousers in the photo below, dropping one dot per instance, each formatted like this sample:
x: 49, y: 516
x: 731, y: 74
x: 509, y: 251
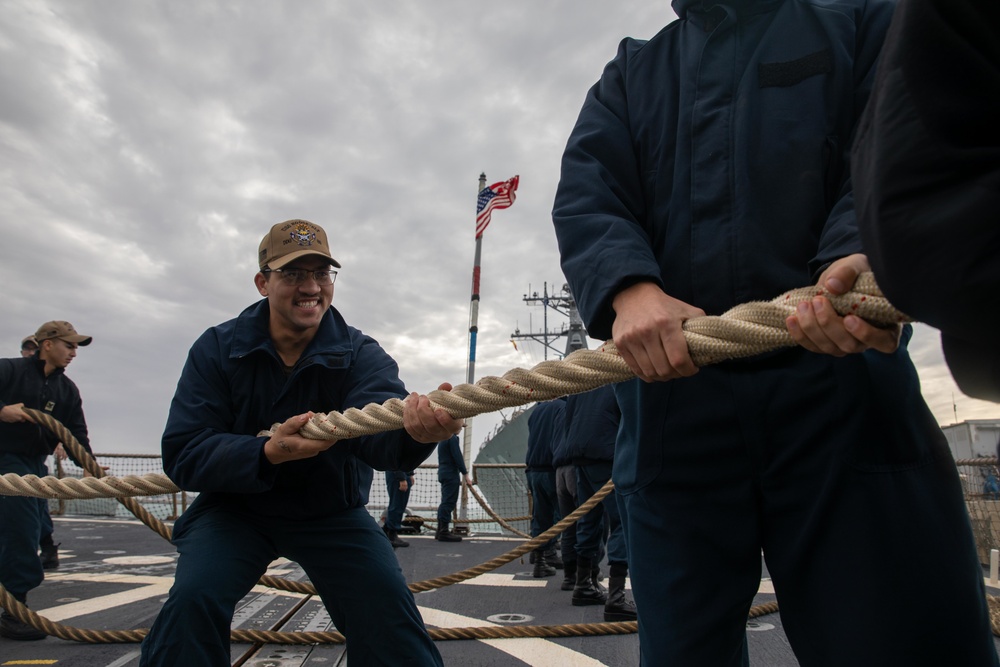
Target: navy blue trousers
x: 224, y: 551
x: 545, y: 505
x: 602, y: 522
x: 566, y: 495
x: 43, y: 508
x: 449, y: 498
x: 20, y: 529
x: 397, y: 501
x: 834, y: 468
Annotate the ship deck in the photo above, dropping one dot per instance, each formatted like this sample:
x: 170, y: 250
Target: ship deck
x: 115, y: 573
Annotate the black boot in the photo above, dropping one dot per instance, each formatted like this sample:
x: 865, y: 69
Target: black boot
x: 618, y: 606
x: 596, y: 577
x: 569, y: 580
x: 445, y: 535
x: 50, y: 555
x: 394, y: 538
x: 11, y: 628
x: 553, y: 558
x: 542, y: 567
x: 585, y: 593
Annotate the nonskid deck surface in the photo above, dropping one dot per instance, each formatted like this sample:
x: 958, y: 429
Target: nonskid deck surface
x: 114, y: 575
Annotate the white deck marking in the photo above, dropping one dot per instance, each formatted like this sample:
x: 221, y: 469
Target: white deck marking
x: 493, y: 579
x: 766, y: 587
x: 124, y: 660
x: 154, y: 587
x: 138, y: 560
x: 534, y: 652
x: 134, y: 522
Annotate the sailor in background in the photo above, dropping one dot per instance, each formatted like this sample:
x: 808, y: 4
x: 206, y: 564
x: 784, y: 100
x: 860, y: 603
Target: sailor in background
x: 567, y: 501
x: 37, y: 381
x: 592, y: 422
x: 398, y: 485
x: 48, y: 550
x: 452, y: 473
x: 545, y: 427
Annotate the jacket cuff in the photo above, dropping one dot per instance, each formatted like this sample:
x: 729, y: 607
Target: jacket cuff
x: 266, y: 471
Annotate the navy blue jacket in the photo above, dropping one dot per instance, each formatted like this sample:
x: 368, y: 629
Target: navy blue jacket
x: 713, y: 159
x: 545, y: 433
x: 401, y: 475
x: 592, y: 420
x: 450, y: 459
x: 23, y: 380
x: 233, y: 386
x: 561, y: 451
x: 927, y: 167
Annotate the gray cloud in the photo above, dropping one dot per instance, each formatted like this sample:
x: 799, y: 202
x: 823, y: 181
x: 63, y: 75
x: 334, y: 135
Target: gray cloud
x: 146, y: 148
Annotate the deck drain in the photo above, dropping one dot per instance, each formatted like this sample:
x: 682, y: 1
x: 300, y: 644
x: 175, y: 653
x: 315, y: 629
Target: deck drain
x: 754, y: 626
x: 510, y: 618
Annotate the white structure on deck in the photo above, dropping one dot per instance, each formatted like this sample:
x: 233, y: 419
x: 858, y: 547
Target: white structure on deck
x: 973, y: 438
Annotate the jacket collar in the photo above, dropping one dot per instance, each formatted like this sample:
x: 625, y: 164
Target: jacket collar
x: 685, y: 8
x: 35, y: 362
x: 251, y: 333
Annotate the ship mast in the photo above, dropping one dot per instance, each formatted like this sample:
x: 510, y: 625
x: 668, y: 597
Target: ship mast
x: 564, y: 304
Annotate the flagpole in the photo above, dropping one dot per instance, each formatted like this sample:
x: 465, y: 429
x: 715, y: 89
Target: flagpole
x: 471, y: 373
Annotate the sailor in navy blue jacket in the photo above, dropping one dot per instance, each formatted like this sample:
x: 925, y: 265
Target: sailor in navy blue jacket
x: 262, y: 497
x: 38, y: 382
x: 451, y: 464
x: 592, y: 424
x: 232, y: 387
x: 709, y: 167
x: 545, y: 432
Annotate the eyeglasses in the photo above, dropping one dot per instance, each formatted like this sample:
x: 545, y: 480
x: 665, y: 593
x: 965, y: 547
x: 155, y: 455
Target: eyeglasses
x: 295, y: 277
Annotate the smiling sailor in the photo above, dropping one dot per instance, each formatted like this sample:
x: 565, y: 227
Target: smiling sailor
x: 282, y: 359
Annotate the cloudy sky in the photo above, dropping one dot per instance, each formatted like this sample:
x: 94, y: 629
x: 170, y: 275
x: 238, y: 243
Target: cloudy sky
x: 145, y: 148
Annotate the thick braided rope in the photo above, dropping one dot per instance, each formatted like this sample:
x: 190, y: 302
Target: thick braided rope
x: 496, y: 517
x: 25, y: 615
x: 518, y: 551
x: 91, y: 465
x: 743, y: 331
x: 89, y: 487
x: 116, y: 487
x: 981, y: 461
x: 70, y: 633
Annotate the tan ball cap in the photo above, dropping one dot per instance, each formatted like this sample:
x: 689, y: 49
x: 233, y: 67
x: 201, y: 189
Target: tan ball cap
x: 61, y: 330
x: 290, y: 240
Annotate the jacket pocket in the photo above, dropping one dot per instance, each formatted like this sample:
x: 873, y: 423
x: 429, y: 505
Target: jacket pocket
x: 794, y: 72
x: 639, y: 446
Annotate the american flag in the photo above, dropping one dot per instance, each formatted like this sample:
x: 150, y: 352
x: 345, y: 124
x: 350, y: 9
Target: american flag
x: 497, y: 196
